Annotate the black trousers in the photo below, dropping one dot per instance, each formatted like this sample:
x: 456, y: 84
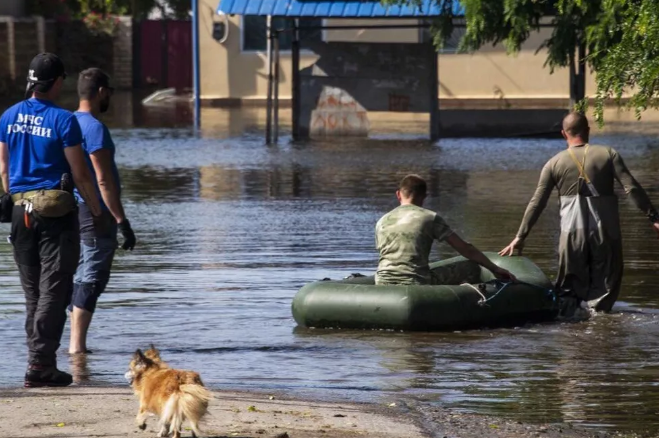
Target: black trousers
x: 46, y: 251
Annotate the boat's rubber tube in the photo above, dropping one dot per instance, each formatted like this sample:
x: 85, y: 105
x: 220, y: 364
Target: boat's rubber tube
x: 468, y: 298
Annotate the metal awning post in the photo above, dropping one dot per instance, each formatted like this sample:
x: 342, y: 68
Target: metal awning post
x: 577, y: 75
x: 196, y: 82
x: 268, y: 120
x: 295, y: 80
x: 164, y: 52
x: 434, y: 93
x: 275, y: 40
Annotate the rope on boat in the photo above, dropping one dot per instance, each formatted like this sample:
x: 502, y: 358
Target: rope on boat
x: 503, y: 285
x: 483, y: 297
x: 550, y: 292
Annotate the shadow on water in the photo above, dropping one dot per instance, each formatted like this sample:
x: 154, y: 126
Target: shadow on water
x: 230, y: 229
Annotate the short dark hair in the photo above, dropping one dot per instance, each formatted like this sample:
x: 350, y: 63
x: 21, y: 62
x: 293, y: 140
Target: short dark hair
x: 90, y: 80
x: 575, y: 124
x: 413, y: 186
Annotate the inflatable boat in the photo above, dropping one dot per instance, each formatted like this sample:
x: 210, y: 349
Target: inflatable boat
x: 469, y: 296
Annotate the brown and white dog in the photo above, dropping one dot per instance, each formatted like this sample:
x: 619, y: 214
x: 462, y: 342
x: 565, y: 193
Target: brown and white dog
x: 172, y: 395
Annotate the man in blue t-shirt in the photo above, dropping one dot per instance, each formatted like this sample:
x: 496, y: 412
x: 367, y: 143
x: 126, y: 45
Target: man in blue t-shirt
x: 98, y: 243
x: 39, y: 150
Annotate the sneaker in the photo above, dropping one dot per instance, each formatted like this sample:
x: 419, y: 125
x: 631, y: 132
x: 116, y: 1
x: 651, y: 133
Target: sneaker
x: 38, y: 376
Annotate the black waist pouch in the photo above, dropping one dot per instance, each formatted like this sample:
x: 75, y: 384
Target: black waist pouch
x: 6, y: 208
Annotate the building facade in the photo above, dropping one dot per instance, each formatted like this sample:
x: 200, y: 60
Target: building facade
x: 235, y: 71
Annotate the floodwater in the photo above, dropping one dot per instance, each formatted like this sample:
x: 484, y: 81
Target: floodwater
x: 229, y: 229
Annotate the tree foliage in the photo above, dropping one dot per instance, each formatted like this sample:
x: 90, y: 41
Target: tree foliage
x: 620, y: 38
x: 78, y: 9
x: 630, y: 65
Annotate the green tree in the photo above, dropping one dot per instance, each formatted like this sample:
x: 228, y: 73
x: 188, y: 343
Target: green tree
x: 617, y: 39
x: 80, y: 8
x: 630, y: 63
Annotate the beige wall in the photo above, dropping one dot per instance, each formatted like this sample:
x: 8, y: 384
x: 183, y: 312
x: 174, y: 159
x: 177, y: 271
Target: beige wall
x: 492, y: 73
x: 489, y: 74
x: 227, y: 72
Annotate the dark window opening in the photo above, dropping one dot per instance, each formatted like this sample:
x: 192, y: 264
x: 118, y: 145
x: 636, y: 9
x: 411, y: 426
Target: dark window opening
x: 255, y: 32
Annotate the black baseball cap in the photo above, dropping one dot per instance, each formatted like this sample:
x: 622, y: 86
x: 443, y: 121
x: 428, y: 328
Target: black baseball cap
x: 44, y: 69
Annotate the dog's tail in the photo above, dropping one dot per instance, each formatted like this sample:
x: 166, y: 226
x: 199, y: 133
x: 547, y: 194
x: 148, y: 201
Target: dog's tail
x: 190, y: 403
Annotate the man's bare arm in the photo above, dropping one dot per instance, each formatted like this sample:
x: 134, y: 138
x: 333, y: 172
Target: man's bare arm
x: 107, y: 184
x: 4, y: 166
x: 469, y: 251
x: 82, y: 177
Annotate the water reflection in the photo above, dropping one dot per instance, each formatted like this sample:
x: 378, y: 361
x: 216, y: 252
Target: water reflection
x: 79, y: 369
x: 586, y: 373
x: 230, y: 229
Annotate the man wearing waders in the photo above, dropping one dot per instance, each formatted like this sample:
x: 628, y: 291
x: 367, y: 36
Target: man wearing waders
x: 590, y: 246
x: 39, y: 151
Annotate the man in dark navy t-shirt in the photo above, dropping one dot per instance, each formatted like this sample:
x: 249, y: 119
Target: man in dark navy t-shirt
x: 39, y: 149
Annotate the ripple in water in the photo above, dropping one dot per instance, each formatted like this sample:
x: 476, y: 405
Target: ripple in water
x: 230, y: 229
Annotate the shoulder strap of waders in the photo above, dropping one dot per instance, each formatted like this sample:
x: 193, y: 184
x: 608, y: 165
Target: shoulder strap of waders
x: 581, y: 166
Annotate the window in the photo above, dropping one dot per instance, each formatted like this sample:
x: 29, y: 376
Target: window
x: 255, y: 32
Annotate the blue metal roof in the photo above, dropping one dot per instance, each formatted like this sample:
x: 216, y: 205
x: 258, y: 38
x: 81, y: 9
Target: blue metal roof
x: 331, y: 8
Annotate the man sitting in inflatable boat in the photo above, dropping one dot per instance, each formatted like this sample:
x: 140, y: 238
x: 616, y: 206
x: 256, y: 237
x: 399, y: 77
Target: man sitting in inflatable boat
x: 405, y: 235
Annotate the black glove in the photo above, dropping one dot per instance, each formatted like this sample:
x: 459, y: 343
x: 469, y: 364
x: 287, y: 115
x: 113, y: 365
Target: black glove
x: 129, y: 235
x: 6, y: 208
x: 653, y: 216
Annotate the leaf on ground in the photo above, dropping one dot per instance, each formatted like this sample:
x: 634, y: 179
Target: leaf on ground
x: 493, y: 426
x: 252, y: 408
x: 60, y: 424
x: 392, y: 405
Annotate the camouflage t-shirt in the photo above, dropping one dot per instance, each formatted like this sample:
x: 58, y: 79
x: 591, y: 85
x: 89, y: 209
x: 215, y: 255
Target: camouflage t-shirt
x: 404, y: 237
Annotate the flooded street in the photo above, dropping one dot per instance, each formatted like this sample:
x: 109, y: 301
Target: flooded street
x: 229, y: 229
